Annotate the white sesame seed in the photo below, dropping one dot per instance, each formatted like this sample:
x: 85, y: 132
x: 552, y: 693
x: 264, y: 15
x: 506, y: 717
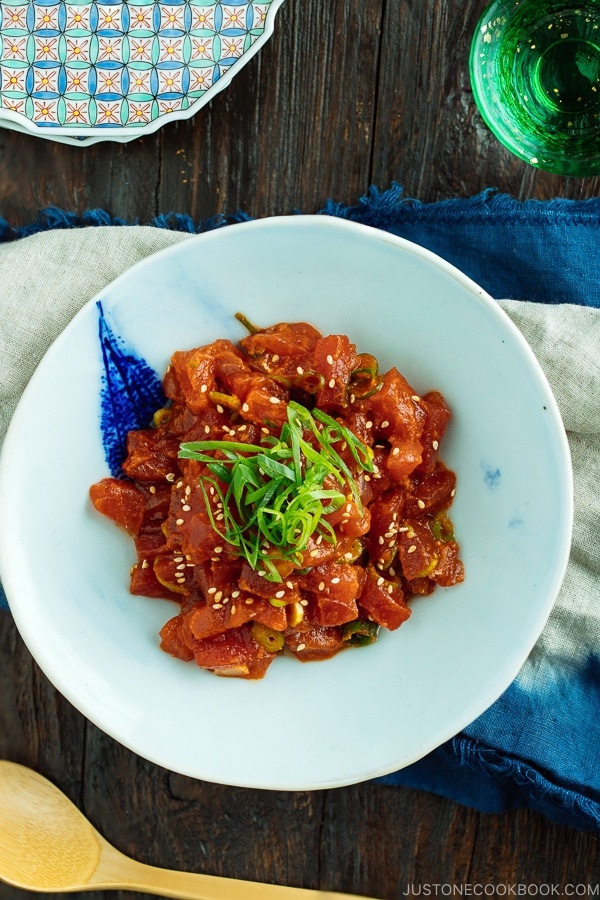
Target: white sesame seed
x: 170, y: 476
x: 217, y: 606
x: 304, y: 603
x: 179, y: 521
x: 179, y: 484
x: 274, y: 400
x: 380, y: 581
x: 203, y: 388
x: 314, y: 553
x: 390, y: 588
x: 263, y: 430
x: 385, y: 424
x: 280, y: 594
x: 218, y: 550
x: 220, y: 408
x: 368, y: 424
x: 243, y: 428
x: 207, y: 429
x: 233, y: 609
x: 330, y: 359
x: 181, y: 566
x: 332, y: 382
x: 145, y: 564
x: 435, y: 445
x: 415, y: 397
x: 235, y: 594
x: 453, y: 492
x: 392, y: 572
x: 420, y: 504
x: 275, y: 357
x: 152, y: 489
x: 219, y: 595
x: 411, y: 549
x: 290, y: 584
x: 178, y: 559
x: 300, y: 370
x: 352, y: 398
x: 348, y: 555
x: 186, y: 508
x: 301, y: 646
x: 245, y: 407
x: 321, y: 585
x: 396, y: 451
x: 380, y: 539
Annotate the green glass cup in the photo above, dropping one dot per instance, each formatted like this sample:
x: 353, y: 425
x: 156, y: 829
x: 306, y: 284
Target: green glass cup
x: 535, y: 74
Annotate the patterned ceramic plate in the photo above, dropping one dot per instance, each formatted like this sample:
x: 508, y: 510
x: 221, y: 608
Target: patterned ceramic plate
x: 118, y: 70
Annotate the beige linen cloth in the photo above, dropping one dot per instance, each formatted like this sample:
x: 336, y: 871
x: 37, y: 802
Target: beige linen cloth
x: 46, y: 278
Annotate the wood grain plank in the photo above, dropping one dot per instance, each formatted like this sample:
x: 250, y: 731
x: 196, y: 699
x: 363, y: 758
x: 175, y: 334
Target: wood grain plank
x: 294, y: 127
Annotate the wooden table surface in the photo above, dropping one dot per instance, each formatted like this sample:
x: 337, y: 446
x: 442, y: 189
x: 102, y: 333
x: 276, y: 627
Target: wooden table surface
x: 346, y: 94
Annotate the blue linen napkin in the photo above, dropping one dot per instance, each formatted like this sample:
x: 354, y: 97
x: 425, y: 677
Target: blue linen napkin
x: 538, y: 746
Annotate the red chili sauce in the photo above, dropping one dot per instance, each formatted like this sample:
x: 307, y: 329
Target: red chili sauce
x: 392, y: 542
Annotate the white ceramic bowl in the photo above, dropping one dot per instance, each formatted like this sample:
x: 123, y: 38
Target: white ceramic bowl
x: 365, y: 712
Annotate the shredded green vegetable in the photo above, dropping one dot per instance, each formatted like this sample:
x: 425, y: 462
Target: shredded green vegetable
x: 273, y: 496
x: 360, y: 632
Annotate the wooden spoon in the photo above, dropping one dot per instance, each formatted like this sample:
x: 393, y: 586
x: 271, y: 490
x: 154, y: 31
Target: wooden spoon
x: 47, y: 844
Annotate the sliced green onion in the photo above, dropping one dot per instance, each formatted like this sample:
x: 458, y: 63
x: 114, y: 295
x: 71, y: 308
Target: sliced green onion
x: 442, y: 528
x: 268, y: 638
x: 248, y: 325
x: 360, y: 632
x: 274, y: 492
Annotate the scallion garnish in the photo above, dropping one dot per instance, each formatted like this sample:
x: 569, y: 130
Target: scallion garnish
x: 273, y: 495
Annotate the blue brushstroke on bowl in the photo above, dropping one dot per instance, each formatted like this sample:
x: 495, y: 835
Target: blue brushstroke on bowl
x: 491, y: 476
x: 130, y: 394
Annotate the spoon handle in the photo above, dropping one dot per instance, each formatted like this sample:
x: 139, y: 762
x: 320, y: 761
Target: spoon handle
x: 116, y: 871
